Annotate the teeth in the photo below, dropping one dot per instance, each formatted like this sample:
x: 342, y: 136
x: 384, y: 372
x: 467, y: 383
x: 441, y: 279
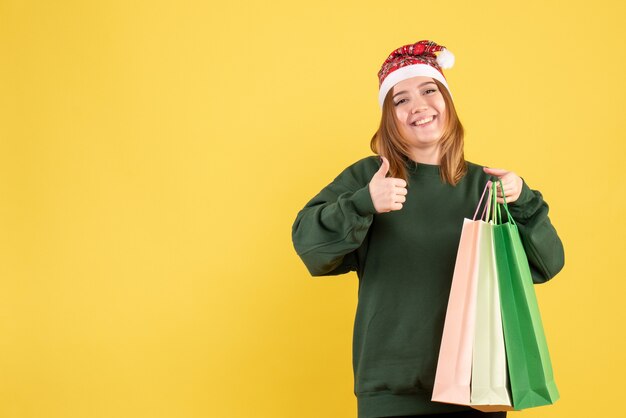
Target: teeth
x: 423, y: 121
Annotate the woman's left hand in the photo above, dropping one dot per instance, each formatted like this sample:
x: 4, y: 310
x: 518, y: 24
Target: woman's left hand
x: 511, y: 182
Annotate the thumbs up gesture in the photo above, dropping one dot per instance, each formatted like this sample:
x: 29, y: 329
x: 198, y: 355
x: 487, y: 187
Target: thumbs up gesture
x: 387, y: 193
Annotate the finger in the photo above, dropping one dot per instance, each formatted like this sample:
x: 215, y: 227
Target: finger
x: 507, y: 192
x: 398, y: 182
x: 498, y: 191
x: 508, y: 200
x: 510, y: 195
x: 497, y: 183
x: 384, y: 168
x: 507, y: 186
x: 400, y: 190
x: 510, y: 180
x: 501, y: 183
x: 396, y: 206
x: 498, y: 172
x: 400, y: 198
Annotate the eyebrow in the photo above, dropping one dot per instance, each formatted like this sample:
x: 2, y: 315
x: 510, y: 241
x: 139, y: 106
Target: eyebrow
x: 423, y: 84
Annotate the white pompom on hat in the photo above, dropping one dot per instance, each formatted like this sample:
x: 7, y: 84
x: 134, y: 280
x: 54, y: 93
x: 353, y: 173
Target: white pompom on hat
x: 414, y: 60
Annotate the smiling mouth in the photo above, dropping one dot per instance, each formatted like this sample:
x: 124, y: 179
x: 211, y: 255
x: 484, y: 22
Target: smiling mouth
x: 425, y: 121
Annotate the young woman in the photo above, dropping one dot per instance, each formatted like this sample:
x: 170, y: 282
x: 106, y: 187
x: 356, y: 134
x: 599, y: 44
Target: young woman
x: 396, y: 220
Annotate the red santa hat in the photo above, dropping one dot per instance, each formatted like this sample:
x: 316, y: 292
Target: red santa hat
x: 414, y: 60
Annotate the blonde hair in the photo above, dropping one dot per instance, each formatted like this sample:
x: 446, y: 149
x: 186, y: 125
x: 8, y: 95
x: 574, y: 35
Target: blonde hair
x: 389, y: 143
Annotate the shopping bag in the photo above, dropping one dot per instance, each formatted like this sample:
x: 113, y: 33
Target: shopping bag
x: 489, y: 386
x: 454, y: 365
x: 530, y: 369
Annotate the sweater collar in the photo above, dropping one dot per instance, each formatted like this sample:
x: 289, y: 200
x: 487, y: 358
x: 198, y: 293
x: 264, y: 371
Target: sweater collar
x: 421, y: 168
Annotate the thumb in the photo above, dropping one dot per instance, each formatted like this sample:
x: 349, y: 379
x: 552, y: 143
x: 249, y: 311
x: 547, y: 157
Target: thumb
x: 384, y: 168
x: 498, y: 172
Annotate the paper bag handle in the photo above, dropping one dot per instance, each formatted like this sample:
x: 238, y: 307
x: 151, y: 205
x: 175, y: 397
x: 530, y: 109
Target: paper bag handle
x: 506, y: 206
x: 480, y: 202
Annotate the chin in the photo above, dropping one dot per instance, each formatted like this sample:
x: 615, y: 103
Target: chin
x: 422, y: 143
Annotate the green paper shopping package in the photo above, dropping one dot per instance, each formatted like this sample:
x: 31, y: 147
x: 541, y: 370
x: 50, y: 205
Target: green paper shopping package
x: 530, y: 369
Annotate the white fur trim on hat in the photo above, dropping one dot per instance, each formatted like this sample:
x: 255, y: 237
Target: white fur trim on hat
x: 408, y: 72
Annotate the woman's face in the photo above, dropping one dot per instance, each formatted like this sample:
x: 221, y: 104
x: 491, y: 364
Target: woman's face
x: 420, y: 111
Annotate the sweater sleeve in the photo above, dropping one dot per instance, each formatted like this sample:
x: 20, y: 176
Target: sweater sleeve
x: 331, y: 227
x: 542, y: 244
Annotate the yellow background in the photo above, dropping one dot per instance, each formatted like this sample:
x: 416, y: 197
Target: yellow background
x: 154, y: 154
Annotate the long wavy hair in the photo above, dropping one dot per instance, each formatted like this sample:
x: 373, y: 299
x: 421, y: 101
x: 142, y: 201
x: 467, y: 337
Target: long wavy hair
x: 389, y: 143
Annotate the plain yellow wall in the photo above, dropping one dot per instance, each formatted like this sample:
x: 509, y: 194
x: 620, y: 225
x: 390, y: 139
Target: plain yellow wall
x: 154, y: 154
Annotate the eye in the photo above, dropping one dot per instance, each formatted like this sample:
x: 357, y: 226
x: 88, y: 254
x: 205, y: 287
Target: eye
x: 429, y: 90
x: 399, y: 102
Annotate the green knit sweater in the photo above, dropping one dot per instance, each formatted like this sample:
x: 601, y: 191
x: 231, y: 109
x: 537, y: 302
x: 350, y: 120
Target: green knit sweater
x: 404, y: 261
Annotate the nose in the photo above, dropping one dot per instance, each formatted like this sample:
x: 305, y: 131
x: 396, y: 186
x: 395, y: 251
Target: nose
x: 419, y: 105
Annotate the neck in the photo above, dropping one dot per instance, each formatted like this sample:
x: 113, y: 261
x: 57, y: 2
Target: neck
x: 429, y: 155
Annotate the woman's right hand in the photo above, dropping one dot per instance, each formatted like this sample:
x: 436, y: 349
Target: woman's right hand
x: 387, y: 193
